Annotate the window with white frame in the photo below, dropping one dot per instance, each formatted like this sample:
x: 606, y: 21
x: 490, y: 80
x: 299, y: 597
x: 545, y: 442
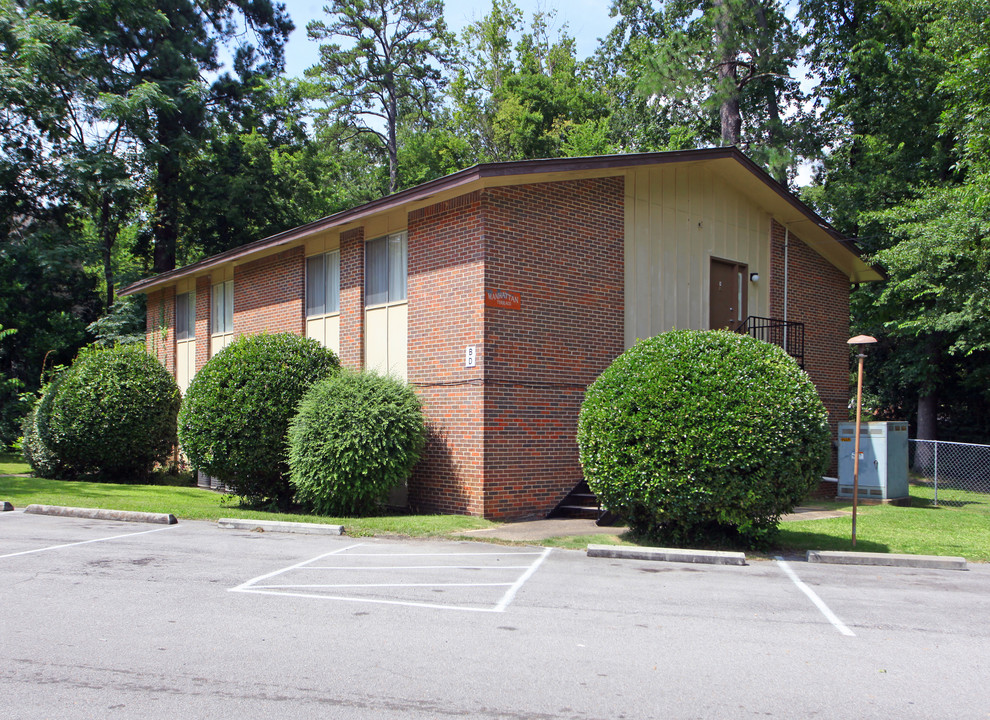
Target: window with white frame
x: 323, y: 284
x: 222, y: 318
x: 185, y: 316
x: 386, y: 307
x: 385, y: 268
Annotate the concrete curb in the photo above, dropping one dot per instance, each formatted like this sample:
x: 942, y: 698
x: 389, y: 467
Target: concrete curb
x: 5, y: 506
x: 711, y: 557
x: 279, y: 526
x: 932, y: 562
x: 100, y: 514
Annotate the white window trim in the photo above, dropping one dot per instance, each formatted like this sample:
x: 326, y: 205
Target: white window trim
x: 404, y: 234
x: 213, y: 293
x: 316, y: 316
x: 192, y: 325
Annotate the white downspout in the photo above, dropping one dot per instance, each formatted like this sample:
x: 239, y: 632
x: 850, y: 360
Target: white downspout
x: 787, y: 237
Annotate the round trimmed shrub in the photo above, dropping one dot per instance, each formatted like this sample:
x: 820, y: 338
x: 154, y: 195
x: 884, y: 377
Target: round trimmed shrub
x: 43, y: 462
x: 235, y: 415
x: 356, y: 436
x: 113, y: 412
x: 703, y: 437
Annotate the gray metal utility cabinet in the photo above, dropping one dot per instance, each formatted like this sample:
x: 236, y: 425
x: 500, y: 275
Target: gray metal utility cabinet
x: 883, y: 462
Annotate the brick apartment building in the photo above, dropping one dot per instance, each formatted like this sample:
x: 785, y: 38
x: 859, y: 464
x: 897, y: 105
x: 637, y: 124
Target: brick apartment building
x: 501, y: 291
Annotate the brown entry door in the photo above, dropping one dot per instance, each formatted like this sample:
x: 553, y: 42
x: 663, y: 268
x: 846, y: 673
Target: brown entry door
x: 727, y: 300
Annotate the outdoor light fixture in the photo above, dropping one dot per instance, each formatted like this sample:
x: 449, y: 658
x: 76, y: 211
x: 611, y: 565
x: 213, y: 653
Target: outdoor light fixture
x: 754, y: 277
x: 862, y: 341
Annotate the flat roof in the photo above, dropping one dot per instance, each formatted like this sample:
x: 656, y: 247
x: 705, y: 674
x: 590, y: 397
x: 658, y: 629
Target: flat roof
x: 781, y: 203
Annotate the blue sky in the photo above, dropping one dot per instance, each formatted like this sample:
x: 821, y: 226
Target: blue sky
x: 586, y: 20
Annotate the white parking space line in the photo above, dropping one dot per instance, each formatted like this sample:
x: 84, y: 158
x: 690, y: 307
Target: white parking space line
x: 458, y: 554
x: 246, y: 587
x: 86, y: 542
x: 511, y: 593
x: 259, y: 585
x: 819, y: 603
x: 415, y: 567
x: 385, y: 585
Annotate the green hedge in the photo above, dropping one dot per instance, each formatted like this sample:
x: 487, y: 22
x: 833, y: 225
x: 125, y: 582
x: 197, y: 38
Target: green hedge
x: 235, y: 416
x: 113, y: 412
x: 43, y: 462
x: 357, y: 435
x: 703, y: 437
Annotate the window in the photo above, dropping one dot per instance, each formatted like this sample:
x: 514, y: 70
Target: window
x: 323, y: 284
x: 385, y: 267
x: 185, y: 316
x: 223, y: 308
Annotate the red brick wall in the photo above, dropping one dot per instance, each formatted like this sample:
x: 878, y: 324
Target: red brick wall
x: 446, y: 314
x: 560, y: 246
x: 352, y: 299
x: 268, y: 294
x: 818, y: 296
x: 160, y: 327
x: 204, y: 288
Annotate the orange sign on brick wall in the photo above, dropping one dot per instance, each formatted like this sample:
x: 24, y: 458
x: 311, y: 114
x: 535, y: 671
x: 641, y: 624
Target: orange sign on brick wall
x: 502, y: 299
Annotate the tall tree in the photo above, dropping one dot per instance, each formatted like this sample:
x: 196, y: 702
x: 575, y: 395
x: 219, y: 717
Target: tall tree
x: 935, y: 308
x: 391, y: 68
x: 158, y: 54
x: 730, y: 65
x: 880, y: 102
x: 527, y: 101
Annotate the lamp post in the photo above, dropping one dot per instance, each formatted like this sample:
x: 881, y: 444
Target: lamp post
x: 861, y: 341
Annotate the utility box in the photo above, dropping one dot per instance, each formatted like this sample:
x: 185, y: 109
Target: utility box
x: 883, y: 461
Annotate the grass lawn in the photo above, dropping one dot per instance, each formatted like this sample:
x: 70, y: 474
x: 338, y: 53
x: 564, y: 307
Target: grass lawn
x: 960, y: 525
x: 11, y: 464
x: 960, y: 528
x: 192, y: 503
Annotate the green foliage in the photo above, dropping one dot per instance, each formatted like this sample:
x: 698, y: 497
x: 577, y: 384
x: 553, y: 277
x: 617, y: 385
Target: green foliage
x: 534, y: 102
x: 723, y: 70
x: 124, y: 323
x: 235, y: 416
x: 355, y: 437
x: 42, y: 461
x: 698, y: 436
x: 113, y: 412
x: 390, y: 69
x: 11, y: 405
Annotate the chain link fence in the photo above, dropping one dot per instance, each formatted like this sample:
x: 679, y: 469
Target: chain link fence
x: 956, y: 473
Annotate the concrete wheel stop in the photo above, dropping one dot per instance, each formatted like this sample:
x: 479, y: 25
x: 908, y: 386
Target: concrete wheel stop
x: 843, y: 557
x: 280, y: 526
x: 100, y: 514
x: 710, y: 557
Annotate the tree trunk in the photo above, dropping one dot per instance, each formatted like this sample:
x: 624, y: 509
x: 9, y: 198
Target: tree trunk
x: 729, y: 114
x: 927, y: 417
x: 165, y: 228
x: 108, y: 234
x: 392, y: 144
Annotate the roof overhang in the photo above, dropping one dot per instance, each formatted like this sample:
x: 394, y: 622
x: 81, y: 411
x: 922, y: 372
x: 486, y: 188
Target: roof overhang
x: 727, y: 162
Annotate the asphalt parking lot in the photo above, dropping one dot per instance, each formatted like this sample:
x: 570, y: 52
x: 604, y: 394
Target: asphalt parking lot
x: 103, y: 619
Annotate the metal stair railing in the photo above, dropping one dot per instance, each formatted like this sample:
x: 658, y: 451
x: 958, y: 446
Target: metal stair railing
x: 786, y: 334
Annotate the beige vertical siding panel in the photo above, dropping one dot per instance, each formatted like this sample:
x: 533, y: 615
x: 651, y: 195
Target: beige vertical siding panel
x: 398, y: 333
x: 658, y: 281
x: 644, y: 255
x: 376, y: 340
x: 682, y: 248
x: 331, y: 334
x: 631, y: 290
x: 669, y: 256
x: 668, y: 240
x: 315, y: 330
